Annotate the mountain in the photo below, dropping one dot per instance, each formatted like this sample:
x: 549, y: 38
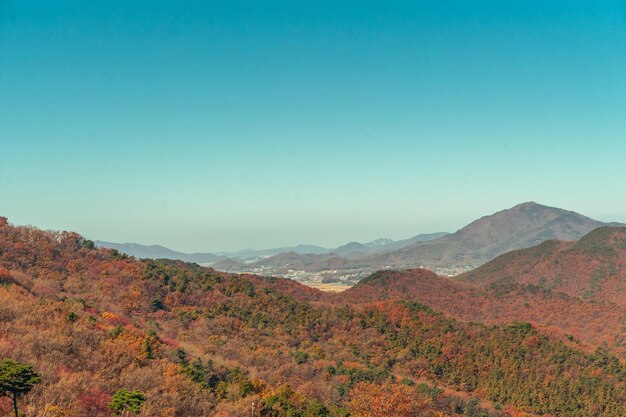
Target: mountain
x: 352, y: 248
x: 574, y: 288
x: 398, y: 244
x: 383, y: 241
x: 197, y: 342
x: 592, y: 268
x: 378, y: 245
x: 519, y: 227
x: 384, y: 244
x: 266, y: 258
x: 303, y: 262
x: 158, y: 252
x: 228, y: 264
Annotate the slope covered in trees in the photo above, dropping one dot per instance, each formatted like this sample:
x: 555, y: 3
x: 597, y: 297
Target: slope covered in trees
x: 572, y: 288
x: 592, y: 268
x: 195, y: 342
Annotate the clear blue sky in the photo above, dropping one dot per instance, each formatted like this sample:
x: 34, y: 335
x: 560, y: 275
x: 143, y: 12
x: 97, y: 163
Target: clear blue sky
x: 221, y: 125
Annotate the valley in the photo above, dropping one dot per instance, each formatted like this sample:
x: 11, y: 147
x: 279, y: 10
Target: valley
x: 521, y: 226
x: 312, y: 208
x: 499, y: 341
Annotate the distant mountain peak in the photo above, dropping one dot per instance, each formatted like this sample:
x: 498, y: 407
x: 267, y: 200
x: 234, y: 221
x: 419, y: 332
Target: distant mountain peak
x: 378, y: 242
x: 351, y: 247
x: 530, y: 204
x: 523, y: 215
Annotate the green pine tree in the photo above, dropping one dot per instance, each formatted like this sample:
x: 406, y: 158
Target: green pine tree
x: 16, y: 380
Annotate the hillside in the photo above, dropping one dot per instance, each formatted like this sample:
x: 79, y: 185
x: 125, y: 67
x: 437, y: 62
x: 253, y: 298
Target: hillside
x: 424, y: 237
x: 590, y: 324
x: 228, y: 265
x: 198, y: 342
x: 158, y: 252
x: 572, y: 288
x: 593, y: 268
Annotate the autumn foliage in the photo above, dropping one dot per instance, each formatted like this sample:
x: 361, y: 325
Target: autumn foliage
x: 375, y: 400
x: 197, y: 342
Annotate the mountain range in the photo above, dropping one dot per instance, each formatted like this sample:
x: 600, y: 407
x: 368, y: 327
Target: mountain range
x: 160, y: 252
x: 577, y: 287
x: 536, y: 331
x: 521, y: 226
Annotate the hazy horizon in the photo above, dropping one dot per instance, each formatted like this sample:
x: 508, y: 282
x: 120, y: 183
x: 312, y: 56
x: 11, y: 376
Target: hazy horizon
x: 331, y: 245
x: 211, y: 127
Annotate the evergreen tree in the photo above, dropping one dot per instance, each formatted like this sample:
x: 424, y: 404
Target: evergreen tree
x: 125, y: 402
x: 16, y: 380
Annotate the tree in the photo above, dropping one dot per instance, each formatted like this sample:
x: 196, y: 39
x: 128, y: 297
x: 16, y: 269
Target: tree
x: 316, y: 408
x: 300, y: 357
x: 16, y: 380
x: 125, y: 402
x: 374, y: 400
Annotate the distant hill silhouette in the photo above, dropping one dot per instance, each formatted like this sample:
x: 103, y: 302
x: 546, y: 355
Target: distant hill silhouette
x: 521, y: 226
x: 158, y: 252
x: 352, y: 249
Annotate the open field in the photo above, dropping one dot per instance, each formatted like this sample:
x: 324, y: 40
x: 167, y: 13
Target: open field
x: 328, y: 286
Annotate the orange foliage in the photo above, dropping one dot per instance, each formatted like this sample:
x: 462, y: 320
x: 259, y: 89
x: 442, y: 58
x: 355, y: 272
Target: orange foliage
x: 373, y: 400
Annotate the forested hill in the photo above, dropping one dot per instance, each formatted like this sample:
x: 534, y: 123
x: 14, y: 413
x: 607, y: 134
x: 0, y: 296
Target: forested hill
x: 521, y: 226
x: 573, y: 289
x: 196, y: 342
x: 592, y: 268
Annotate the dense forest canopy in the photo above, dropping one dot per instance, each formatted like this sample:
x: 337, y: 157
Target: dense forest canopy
x: 111, y: 334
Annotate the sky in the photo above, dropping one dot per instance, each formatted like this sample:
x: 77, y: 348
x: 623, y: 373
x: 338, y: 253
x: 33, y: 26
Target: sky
x: 207, y: 126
